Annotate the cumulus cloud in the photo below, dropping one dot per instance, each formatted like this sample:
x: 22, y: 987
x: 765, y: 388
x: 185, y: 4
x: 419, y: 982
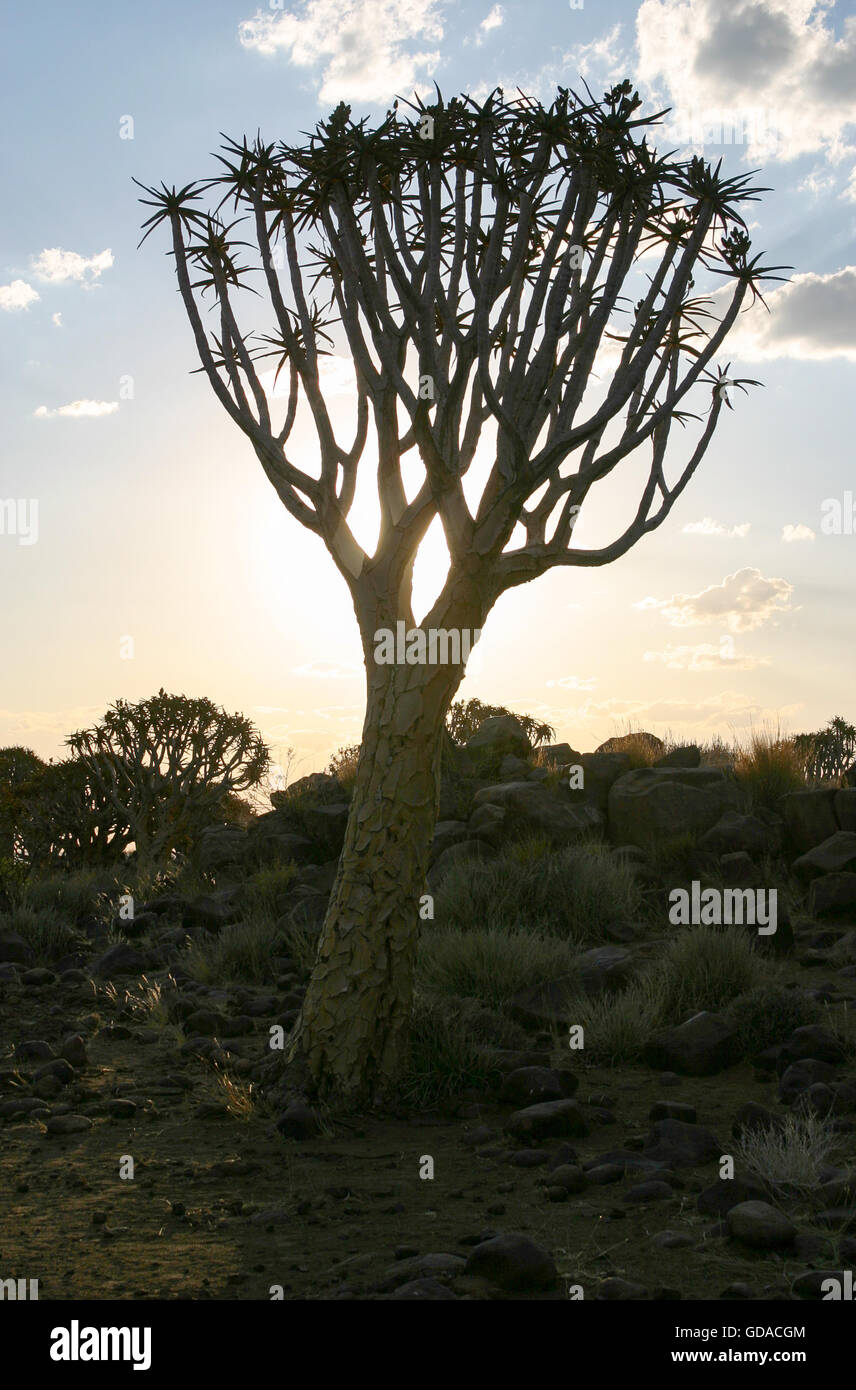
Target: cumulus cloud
x: 812, y: 318
x: 574, y: 682
x: 17, y: 295
x: 744, y: 601
x: 327, y: 670
x: 709, y: 527
x: 78, y: 410
x: 776, y: 63
x: 704, y: 656
x: 56, y: 320
x: 364, y: 47
x: 56, y: 266
x: 494, y: 20
x: 797, y: 533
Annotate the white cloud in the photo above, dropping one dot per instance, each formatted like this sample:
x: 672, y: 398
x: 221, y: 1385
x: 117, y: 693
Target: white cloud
x: 743, y: 601
x: 327, y: 670
x: 574, y: 682
x: 78, y: 410
x: 366, y: 46
x: 704, y: 656
x: 493, y: 21
x: 709, y: 527
x: 776, y: 62
x: 56, y: 319
x: 57, y: 266
x: 797, y: 533
x: 812, y: 318
x: 18, y: 295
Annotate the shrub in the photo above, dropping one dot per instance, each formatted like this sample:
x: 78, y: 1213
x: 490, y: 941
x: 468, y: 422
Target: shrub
x: 48, y: 935
x: 768, y: 1014
x: 241, y: 952
x: 445, y: 1055
x: 617, y: 1026
x: 787, y: 1156
x: 768, y: 766
x: 263, y: 888
x: 488, y: 964
x: 573, y: 893
x: 466, y: 716
x: 343, y: 765
x: 706, y: 969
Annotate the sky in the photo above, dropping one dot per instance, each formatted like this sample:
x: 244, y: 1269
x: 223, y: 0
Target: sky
x: 141, y: 546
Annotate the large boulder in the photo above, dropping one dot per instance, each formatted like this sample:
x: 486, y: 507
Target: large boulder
x: 319, y: 786
x: 272, y: 839
x: 558, y: 754
x: 702, y: 1046
x: 221, y: 847
x: 835, y: 855
x: 809, y: 817
x: 550, y: 1119
x: 326, y: 825
x: 533, y: 809
x: 624, y: 743
x: 600, y: 770
x: 512, y: 1262
x: 499, y: 734
x: 760, y: 1226
x: 650, y: 805
x: 845, y: 808
x: 735, y: 833
x: 833, y: 895
x: 687, y: 755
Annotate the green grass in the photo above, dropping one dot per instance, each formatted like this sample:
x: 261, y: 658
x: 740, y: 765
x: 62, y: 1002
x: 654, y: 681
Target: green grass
x: 616, y: 1027
x: 446, y: 1054
x: 490, y: 964
x: 571, y: 894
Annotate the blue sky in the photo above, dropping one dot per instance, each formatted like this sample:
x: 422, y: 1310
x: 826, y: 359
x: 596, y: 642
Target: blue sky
x: 154, y: 521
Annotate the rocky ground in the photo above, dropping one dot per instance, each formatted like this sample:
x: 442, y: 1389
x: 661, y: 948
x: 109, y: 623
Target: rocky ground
x: 146, y: 1151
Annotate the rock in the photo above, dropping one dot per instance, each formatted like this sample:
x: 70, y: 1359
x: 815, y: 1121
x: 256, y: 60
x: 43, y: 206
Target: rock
x: 681, y: 1145
x: 812, y: 1040
x: 315, y: 786
x: 553, y: 1119
x: 206, y: 1021
x: 121, y: 959
x: 271, y: 839
x: 739, y: 871
x: 655, y: 1190
x: 837, y: 854
x: 326, y: 826
x: 547, y: 1004
x: 558, y: 754
x: 500, y: 733
x: 14, y: 949
x: 833, y: 896
x: 604, y: 969
x: 298, y: 1121
x: 213, y: 910
x: 600, y: 770
x: 753, y: 1116
x: 568, y: 1176
x: 512, y: 1262
x: 533, y: 809
x: 672, y: 1110
x: 487, y: 823
x: 617, y: 1290
x: 735, y: 832
x: 534, y: 1084
x: 688, y: 755
x: 34, y: 1049
x: 68, y: 1124
x: 221, y: 847
x: 672, y: 1240
x: 702, y: 1046
x: 760, y: 1226
x: 649, y: 805
x: 463, y: 852
x: 512, y: 768
x: 814, y: 1283
x: 809, y: 817
x: 845, y: 808
x: 39, y: 977
x: 423, y: 1291
x: 446, y: 834
x: 800, y: 1075
x: 632, y: 742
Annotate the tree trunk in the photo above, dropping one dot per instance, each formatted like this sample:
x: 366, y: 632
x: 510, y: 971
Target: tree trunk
x: 353, y: 1026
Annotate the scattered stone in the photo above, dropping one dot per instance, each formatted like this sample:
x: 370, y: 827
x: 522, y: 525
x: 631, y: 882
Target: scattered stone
x: 760, y: 1226
x: 513, y: 1262
x: 682, y: 1145
x: 68, y: 1124
x: 702, y: 1046
x: 555, y: 1119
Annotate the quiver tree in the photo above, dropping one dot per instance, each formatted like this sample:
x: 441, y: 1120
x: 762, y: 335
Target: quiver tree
x: 165, y: 765
x: 17, y: 766
x: 473, y: 258
x: 68, y: 821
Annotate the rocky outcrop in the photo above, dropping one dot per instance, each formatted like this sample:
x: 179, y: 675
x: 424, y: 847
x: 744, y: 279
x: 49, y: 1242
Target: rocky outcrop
x: 650, y: 805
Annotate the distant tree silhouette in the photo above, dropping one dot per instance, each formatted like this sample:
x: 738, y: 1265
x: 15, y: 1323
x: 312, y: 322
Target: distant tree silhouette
x: 17, y: 766
x: 165, y: 765
x: 67, y: 820
x: 475, y: 257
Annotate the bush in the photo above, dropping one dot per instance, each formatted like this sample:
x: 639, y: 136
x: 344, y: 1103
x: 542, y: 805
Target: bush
x: 571, y: 894
x: 617, y: 1026
x: 488, y: 964
x: 343, y: 765
x: 241, y: 952
x: 466, y: 716
x: 787, y: 1156
x: 48, y: 935
x: 445, y: 1053
x: 263, y: 888
x: 768, y: 766
x: 768, y: 1014
x: 706, y: 969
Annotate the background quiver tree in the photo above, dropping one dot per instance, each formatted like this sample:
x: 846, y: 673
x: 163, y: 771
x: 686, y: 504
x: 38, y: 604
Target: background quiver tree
x: 166, y: 763
x: 475, y: 257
